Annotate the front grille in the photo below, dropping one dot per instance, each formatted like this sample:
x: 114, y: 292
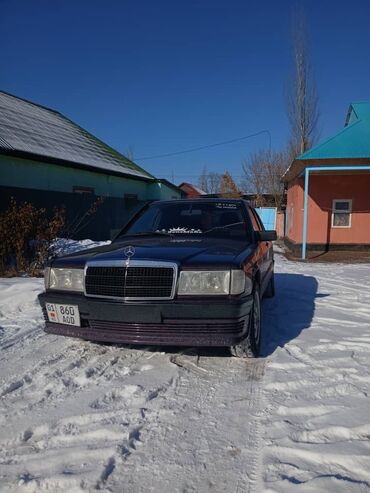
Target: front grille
x: 172, y: 329
x: 149, y: 282
x: 130, y: 282
x: 169, y: 332
x: 105, y: 281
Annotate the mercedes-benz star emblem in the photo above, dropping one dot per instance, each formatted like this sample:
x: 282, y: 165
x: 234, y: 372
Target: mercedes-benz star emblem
x: 129, y: 251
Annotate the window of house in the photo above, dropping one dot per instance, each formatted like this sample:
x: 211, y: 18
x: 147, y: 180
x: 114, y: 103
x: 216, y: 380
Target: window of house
x: 342, y: 212
x: 130, y: 197
x: 78, y: 189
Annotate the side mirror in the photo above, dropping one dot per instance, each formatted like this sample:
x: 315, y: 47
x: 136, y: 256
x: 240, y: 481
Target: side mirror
x: 269, y: 235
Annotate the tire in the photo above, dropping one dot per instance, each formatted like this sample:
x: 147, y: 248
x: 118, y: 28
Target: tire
x: 250, y: 346
x: 270, y: 290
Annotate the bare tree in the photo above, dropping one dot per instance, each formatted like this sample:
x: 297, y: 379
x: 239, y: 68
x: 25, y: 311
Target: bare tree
x: 275, y: 168
x: 130, y: 152
x: 302, y: 99
x: 202, y: 180
x: 209, y: 181
x: 255, y: 179
x: 262, y: 175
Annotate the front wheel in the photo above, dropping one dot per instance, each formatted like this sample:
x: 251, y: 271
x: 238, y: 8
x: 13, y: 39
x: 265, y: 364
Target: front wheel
x: 250, y: 346
x: 270, y: 290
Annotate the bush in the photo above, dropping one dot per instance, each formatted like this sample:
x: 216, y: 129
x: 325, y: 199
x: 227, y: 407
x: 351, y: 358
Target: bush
x: 26, y: 233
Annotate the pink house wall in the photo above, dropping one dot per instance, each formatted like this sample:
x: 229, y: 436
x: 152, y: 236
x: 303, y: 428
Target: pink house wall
x: 323, y: 189
x: 294, y: 210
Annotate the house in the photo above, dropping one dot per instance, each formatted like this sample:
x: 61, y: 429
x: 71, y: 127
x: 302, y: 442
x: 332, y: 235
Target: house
x: 191, y: 191
x: 50, y: 161
x: 328, y: 198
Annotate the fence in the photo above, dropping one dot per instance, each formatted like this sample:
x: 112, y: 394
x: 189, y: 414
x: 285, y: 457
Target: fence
x: 111, y: 215
x: 268, y: 216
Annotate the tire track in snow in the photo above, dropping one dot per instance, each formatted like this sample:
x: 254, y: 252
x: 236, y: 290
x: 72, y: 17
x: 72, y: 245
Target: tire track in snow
x: 73, y: 423
x: 45, y: 445
x: 206, y: 433
x: 56, y: 377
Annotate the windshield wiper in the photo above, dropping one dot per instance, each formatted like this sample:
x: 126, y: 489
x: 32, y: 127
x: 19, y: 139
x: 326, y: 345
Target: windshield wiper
x: 222, y: 227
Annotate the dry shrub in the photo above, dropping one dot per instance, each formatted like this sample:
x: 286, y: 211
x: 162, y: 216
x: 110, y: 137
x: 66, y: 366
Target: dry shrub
x: 26, y: 233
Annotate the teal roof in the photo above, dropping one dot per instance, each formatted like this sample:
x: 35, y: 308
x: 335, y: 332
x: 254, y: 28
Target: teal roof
x: 351, y: 142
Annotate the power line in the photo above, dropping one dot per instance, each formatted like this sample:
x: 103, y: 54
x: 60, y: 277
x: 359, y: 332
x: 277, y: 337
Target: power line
x: 194, y: 149
x: 197, y: 175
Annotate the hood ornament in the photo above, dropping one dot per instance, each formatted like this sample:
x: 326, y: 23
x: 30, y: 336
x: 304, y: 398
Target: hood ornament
x: 129, y: 251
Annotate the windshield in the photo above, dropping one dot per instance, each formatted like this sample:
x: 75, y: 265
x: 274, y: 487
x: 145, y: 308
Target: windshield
x: 193, y: 218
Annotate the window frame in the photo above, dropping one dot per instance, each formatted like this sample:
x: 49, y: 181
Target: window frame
x: 336, y: 211
x: 82, y: 190
x: 130, y: 197
x: 257, y: 219
x: 246, y: 220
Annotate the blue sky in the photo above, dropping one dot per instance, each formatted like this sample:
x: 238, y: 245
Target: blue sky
x: 159, y: 76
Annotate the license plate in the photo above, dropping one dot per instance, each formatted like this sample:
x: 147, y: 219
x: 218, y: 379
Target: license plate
x: 63, y: 314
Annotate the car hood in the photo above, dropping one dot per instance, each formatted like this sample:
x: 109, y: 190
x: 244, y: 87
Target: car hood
x: 197, y: 252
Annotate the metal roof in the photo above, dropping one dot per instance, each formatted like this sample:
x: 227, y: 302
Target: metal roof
x: 194, y: 187
x: 29, y: 129
x: 352, y: 142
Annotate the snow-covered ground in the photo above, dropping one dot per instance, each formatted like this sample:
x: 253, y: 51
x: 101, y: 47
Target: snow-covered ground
x: 77, y: 416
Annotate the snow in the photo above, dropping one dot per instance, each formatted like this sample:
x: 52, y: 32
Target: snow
x: 317, y: 431
x: 77, y: 416
x: 64, y: 246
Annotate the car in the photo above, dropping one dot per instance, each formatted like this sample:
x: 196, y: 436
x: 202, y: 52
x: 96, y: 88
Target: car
x: 187, y: 272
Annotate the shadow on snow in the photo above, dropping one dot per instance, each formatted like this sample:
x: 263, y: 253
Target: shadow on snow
x: 289, y: 312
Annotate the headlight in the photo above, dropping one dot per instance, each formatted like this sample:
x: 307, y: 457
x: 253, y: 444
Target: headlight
x: 239, y: 282
x: 220, y: 282
x: 64, y: 279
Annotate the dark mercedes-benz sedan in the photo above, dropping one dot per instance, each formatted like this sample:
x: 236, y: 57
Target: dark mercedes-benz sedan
x: 180, y: 273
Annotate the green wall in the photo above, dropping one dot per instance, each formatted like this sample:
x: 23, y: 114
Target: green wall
x: 160, y: 191
x: 22, y: 173
x: 49, y: 185
x: 16, y: 172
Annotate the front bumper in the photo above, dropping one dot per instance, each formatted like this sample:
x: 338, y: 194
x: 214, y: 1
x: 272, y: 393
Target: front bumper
x: 190, y: 322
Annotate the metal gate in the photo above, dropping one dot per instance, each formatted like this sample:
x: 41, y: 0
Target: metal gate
x: 268, y: 216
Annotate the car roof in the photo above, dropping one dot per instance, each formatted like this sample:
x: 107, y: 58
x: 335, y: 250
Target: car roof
x: 202, y: 200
